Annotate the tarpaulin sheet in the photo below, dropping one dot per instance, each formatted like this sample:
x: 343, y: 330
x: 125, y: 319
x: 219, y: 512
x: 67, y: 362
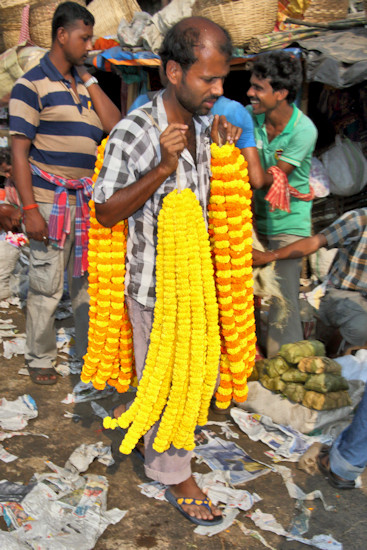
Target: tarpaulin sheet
x: 338, y: 58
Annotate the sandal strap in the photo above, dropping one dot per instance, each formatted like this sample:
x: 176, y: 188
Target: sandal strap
x: 197, y: 502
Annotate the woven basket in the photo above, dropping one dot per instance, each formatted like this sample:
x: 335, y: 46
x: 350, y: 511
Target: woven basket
x: 323, y: 11
x: 11, y: 21
x: 243, y: 19
x: 108, y: 14
x: 40, y: 21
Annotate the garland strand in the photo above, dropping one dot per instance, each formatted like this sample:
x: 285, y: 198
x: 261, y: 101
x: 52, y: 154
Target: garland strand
x: 109, y: 358
x: 182, y: 361
x: 230, y: 229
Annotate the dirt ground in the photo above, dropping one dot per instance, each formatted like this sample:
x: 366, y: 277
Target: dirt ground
x: 151, y: 523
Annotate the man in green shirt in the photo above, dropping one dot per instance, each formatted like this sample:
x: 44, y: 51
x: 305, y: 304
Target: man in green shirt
x: 285, y: 139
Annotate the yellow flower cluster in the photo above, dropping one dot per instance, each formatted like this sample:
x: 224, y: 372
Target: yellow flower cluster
x: 230, y: 229
x: 109, y: 358
x: 182, y: 361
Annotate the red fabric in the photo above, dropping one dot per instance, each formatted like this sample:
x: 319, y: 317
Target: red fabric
x: 24, y: 35
x: 280, y: 191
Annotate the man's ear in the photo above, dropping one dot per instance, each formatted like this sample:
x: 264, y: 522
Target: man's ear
x: 173, y: 72
x: 61, y: 34
x: 282, y: 94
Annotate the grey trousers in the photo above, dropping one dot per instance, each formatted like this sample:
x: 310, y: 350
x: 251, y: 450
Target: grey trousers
x: 46, y: 284
x: 172, y: 466
x: 345, y: 310
x: 288, y: 272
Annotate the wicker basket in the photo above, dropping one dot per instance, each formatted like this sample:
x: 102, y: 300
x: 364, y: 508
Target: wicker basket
x: 40, y: 20
x: 108, y: 14
x: 11, y: 21
x: 323, y: 11
x: 243, y: 19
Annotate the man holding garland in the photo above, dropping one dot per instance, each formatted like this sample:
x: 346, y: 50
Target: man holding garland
x: 168, y: 138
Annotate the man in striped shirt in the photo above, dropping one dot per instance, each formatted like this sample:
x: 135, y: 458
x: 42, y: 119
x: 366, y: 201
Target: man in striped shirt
x: 57, y: 117
x: 344, y: 306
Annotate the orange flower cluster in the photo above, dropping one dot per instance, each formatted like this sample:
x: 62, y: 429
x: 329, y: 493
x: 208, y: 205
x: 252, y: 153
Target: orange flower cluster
x: 230, y: 229
x: 109, y: 358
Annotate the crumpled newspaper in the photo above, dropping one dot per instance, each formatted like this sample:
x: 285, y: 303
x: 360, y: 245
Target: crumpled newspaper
x: 63, y: 510
x: 284, y: 440
x: 14, y: 415
x: 267, y: 522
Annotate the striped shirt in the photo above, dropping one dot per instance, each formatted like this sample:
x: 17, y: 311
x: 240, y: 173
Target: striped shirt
x: 64, y: 129
x: 132, y: 151
x: 349, y: 234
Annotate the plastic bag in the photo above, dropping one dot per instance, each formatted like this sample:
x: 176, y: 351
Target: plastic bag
x: 319, y: 179
x: 346, y: 166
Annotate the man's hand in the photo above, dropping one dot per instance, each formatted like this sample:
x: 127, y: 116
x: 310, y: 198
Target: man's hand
x: 10, y: 217
x: 172, y: 141
x: 36, y: 226
x: 223, y: 131
x: 262, y: 258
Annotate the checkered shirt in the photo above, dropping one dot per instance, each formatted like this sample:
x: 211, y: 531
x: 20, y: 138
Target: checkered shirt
x: 349, y: 234
x: 132, y: 151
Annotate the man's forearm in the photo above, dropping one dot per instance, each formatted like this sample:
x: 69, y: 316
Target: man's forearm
x: 107, y: 111
x: 128, y: 200
x: 298, y: 249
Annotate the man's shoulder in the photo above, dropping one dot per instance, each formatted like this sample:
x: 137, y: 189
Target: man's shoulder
x: 303, y: 122
x: 135, y: 125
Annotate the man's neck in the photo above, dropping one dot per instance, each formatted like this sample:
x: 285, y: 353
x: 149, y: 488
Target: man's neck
x: 174, y: 110
x: 63, y: 66
x: 278, y: 118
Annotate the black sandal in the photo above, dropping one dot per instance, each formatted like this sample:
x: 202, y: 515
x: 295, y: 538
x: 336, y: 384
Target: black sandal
x: 49, y: 376
x: 334, y: 480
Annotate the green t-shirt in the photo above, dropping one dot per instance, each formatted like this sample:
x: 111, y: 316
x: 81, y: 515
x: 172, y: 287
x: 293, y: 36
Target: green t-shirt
x: 294, y: 145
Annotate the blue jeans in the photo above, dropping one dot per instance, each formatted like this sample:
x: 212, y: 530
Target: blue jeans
x: 348, y: 455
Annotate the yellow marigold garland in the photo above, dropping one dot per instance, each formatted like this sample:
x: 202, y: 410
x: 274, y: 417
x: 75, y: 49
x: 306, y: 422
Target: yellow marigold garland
x: 182, y: 361
x: 230, y: 229
x: 109, y: 358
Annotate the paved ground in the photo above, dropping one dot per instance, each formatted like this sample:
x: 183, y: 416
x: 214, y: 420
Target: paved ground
x: 150, y: 523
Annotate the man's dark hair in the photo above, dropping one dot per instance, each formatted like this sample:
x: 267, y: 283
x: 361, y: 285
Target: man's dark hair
x: 283, y: 70
x: 66, y: 15
x: 5, y: 156
x: 183, y: 39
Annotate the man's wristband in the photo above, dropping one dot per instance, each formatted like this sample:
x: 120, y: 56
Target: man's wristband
x: 30, y: 206
x: 90, y: 81
x: 275, y: 255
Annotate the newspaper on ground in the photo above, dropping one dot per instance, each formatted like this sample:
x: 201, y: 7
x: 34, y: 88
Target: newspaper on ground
x: 225, y: 428
x: 16, y: 346
x: 5, y: 456
x: 220, y: 454
x: 215, y: 484
x: 65, y: 340
x: 267, y: 522
x: 296, y: 492
x: 83, y: 456
x: 87, y: 392
x: 14, y: 415
x: 285, y: 441
x: 229, y: 516
x: 63, y: 509
x: 64, y: 310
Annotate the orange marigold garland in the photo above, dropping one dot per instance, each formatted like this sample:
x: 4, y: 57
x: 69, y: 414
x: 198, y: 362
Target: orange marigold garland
x: 109, y: 358
x: 230, y: 229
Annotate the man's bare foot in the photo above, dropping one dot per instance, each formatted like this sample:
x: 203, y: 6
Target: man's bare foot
x: 118, y: 411
x: 189, y: 489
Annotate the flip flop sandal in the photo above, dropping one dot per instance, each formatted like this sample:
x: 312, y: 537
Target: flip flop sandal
x: 35, y: 373
x: 332, y: 478
x: 206, y: 503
